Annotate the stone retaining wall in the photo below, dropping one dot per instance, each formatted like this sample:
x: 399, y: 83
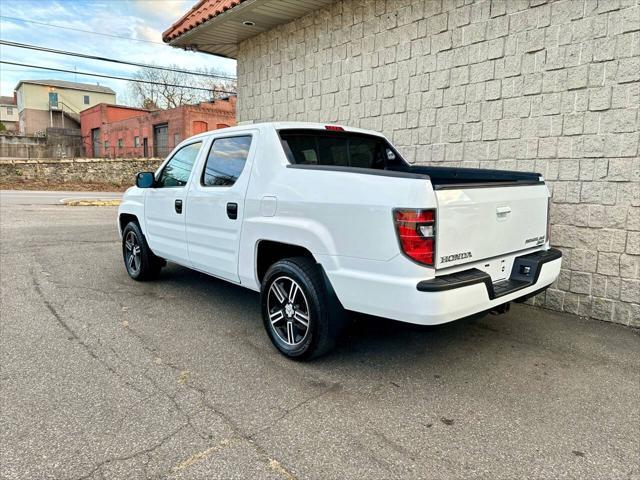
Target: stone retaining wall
x: 116, y: 171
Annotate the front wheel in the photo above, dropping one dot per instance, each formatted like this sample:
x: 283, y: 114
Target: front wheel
x: 139, y: 260
x: 301, y: 316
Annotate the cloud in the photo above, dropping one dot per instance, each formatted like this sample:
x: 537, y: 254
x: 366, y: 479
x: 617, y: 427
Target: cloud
x: 109, y: 17
x: 7, y: 27
x: 146, y: 32
x: 167, y: 10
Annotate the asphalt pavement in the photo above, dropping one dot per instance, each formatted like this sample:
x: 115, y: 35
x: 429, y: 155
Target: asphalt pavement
x: 105, y: 378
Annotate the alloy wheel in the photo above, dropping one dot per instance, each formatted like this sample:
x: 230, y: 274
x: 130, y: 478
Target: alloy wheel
x: 132, y: 254
x: 288, y: 309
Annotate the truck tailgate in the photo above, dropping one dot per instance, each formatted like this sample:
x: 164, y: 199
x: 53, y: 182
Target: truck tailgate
x: 484, y: 222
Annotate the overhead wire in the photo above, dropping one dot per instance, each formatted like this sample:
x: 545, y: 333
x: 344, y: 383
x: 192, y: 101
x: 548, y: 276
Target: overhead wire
x: 112, y: 60
x: 114, y: 77
x: 79, y: 30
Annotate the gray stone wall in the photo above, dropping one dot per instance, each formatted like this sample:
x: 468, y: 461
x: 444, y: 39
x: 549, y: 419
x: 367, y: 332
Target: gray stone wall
x: 548, y: 86
x: 58, y: 142
x: 115, y: 171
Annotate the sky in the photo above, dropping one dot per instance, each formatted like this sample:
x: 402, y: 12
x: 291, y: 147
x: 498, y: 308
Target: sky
x: 134, y: 19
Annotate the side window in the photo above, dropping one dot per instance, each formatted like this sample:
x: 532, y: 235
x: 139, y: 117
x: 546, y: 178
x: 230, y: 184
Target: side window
x: 176, y: 172
x: 226, y: 161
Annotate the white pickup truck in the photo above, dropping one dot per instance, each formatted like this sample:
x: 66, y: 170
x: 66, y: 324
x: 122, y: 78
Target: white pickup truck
x: 323, y: 219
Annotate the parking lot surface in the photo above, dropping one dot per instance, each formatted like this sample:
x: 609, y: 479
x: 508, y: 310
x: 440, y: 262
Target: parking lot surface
x: 103, y: 377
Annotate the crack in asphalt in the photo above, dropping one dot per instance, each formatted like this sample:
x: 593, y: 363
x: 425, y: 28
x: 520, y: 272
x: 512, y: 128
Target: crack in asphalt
x: 145, y: 451
x: 92, y: 353
x: 227, y: 420
x: 335, y: 387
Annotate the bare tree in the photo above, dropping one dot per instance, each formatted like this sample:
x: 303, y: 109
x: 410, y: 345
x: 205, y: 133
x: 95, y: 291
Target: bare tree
x: 171, y: 89
x: 220, y: 87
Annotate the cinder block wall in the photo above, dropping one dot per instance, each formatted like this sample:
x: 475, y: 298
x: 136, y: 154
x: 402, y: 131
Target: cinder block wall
x: 552, y: 87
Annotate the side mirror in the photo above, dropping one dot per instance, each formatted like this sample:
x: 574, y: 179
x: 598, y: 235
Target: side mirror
x: 145, y: 180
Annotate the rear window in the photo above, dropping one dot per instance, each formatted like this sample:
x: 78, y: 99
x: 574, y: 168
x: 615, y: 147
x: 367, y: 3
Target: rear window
x: 340, y: 149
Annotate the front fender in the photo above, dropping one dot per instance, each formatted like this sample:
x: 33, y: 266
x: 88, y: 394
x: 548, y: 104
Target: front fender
x: 132, y: 204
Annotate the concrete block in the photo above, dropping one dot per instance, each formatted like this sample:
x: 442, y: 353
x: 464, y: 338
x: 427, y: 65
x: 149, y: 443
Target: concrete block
x: 630, y: 290
x: 633, y: 243
x: 580, y: 282
x: 628, y: 70
x: 600, y: 99
x: 577, y: 77
x: 608, y: 263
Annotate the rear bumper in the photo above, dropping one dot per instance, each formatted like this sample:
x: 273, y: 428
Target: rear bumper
x: 448, y: 297
x: 524, y: 273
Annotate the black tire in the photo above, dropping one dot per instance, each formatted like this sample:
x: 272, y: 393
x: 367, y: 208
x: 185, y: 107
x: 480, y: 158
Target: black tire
x: 145, y: 265
x: 325, y: 316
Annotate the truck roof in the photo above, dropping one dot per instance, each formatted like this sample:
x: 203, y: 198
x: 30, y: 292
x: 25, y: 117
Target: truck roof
x: 284, y: 126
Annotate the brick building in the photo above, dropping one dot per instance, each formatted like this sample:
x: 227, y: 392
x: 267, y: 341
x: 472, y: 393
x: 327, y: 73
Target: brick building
x: 94, y: 123
x: 548, y: 86
x: 121, y: 131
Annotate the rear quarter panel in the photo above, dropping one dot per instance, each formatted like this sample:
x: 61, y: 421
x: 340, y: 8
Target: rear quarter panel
x: 332, y: 214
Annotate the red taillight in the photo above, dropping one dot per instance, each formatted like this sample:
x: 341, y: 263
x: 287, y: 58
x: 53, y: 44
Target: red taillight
x: 334, y: 128
x: 416, y: 232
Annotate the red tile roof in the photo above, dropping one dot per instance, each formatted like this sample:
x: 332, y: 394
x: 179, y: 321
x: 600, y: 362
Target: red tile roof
x: 201, y: 12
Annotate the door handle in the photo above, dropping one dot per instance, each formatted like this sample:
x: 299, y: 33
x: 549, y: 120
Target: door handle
x: 232, y: 210
x: 178, y: 206
x: 501, y: 211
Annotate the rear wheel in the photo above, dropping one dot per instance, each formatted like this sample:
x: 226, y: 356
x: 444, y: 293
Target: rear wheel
x: 302, y: 318
x: 139, y: 260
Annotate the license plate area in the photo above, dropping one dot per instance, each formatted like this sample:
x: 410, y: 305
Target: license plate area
x: 498, y: 269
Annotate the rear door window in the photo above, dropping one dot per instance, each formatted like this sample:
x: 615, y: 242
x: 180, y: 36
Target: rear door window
x: 226, y: 161
x: 340, y: 149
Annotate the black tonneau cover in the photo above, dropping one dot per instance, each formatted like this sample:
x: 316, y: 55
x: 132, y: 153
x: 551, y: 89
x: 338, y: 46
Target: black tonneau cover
x: 456, y: 177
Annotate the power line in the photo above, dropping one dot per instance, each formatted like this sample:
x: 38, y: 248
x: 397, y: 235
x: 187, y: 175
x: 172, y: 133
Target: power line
x: 106, y: 59
x: 216, y: 90
x: 80, y: 30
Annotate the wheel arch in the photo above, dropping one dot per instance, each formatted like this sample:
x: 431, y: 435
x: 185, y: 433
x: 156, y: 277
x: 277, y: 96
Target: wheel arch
x: 125, y: 218
x: 269, y: 252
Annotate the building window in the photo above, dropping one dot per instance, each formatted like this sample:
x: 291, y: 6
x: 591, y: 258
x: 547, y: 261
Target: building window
x: 120, y: 143
x: 225, y: 161
x: 9, y: 111
x: 86, y: 99
x: 199, y: 127
x: 136, y: 142
x: 176, y: 139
